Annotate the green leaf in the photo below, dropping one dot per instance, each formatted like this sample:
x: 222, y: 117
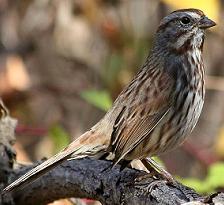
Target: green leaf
x: 215, y: 177
x: 100, y: 99
x: 196, y: 184
x: 213, y: 180
x: 60, y: 138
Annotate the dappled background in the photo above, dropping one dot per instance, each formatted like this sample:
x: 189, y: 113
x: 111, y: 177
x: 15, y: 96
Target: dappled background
x: 62, y: 63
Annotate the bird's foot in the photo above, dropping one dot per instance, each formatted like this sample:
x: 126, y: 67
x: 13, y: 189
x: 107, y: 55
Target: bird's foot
x: 148, y: 182
x: 158, y: 171
x: 146, y: 177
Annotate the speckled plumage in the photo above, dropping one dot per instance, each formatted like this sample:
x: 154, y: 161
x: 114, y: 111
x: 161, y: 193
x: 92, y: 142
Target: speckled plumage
x: 158, y: 108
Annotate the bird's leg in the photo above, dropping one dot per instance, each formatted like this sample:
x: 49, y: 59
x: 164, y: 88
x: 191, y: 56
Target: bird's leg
x: 165, y: 174
x: 149, y: 179
x: 156, y: 170
x: 150, y: 168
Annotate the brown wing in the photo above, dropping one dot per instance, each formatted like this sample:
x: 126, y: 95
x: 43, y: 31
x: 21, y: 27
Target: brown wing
x: 141, y: 116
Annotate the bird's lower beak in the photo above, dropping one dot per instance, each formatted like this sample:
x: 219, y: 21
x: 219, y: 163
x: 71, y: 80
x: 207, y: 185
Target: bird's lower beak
x: 205, y: 22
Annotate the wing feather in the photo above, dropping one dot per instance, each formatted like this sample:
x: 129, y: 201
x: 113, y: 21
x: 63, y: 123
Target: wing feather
x: 141, y: 116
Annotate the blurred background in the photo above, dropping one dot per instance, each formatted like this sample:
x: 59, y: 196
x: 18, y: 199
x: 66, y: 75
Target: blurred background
x: 62, y: 63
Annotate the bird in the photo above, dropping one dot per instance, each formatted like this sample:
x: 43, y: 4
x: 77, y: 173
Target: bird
x: 156, y: 111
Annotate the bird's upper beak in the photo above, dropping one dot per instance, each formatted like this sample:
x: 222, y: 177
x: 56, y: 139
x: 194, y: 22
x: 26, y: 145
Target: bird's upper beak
x: 205, y: 22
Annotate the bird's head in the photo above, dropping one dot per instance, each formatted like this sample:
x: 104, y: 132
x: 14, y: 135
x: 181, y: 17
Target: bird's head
x: 183, y: 29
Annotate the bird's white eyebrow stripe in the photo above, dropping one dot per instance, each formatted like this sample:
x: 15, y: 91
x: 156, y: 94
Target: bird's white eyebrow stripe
x: 194, y: 15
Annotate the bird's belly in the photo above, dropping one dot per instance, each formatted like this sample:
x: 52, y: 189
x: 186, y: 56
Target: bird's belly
x: 170, y: 132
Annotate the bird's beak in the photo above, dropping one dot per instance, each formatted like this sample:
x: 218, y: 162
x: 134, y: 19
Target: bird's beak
x: 205, y: 22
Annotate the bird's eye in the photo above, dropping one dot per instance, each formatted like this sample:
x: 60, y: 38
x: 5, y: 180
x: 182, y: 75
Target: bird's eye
x: 185, y: 20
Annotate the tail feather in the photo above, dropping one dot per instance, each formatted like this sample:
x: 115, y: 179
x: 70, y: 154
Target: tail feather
x: 77, y: 149
x: 37, y: 171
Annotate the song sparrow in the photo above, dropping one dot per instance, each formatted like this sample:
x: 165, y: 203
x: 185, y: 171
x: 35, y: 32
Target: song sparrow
x: 158, y: 109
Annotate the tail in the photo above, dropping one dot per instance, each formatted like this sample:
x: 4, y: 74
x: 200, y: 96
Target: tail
x: 87, y: 144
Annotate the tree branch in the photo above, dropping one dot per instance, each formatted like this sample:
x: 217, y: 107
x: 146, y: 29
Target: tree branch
x: 94, y: 179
